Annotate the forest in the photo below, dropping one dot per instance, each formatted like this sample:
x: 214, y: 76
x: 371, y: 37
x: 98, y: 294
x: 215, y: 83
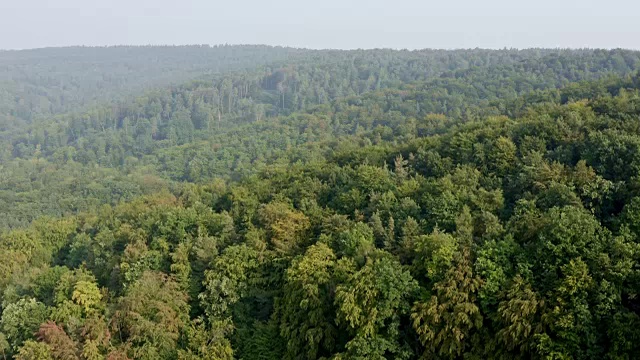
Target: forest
x: 255, y: 202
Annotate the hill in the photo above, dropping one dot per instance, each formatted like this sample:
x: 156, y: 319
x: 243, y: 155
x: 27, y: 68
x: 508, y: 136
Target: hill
x: 227, y: 125
x: 344, y: 205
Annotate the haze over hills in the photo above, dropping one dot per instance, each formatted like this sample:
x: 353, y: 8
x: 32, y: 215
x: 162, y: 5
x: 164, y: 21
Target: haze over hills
x: 42, y: 82
x: 259, y: 202
x: 223, y: 125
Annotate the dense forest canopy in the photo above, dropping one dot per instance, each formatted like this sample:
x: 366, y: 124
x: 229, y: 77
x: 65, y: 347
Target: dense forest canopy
x: 43, y: 82
x: 307, y: 204
x: 228, y: 125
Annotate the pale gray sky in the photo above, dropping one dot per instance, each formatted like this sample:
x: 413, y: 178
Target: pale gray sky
x: 344, y: 24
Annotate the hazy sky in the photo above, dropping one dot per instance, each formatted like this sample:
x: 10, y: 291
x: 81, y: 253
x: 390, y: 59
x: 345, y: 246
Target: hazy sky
x: 342, y: 24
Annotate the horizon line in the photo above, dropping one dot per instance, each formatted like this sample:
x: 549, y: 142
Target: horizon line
x: 313, y: 48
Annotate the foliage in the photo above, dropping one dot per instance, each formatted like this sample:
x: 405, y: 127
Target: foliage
x: 478, y: 204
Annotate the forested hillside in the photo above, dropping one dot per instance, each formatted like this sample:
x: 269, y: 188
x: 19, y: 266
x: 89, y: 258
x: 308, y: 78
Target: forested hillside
x: 341, y: 205
x: 43, y: 82
x: 229, y: 125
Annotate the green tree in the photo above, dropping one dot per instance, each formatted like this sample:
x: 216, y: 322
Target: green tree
x: 306, y: 310
x: 448, y: 321
x: 151, y: 315
x: 372, y: 303
x: 21, y: 320
x: 32, y: 350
